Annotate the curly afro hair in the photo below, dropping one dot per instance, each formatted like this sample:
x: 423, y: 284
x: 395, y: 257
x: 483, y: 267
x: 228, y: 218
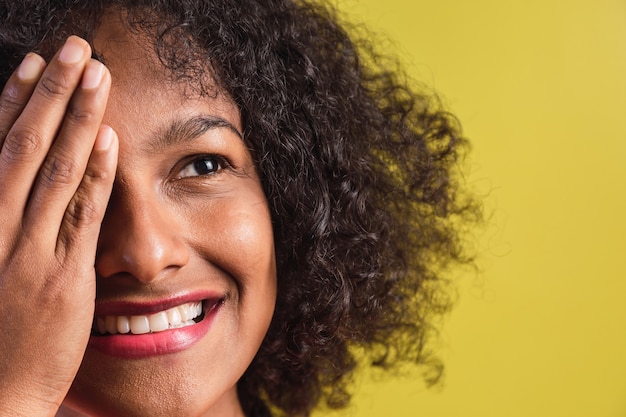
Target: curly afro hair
x: 357, y: 166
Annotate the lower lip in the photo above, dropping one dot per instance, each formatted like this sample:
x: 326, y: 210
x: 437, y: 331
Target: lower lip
x: 153, y: 344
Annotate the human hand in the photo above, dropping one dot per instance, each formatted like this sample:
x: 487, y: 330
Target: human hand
x: 57, y: 166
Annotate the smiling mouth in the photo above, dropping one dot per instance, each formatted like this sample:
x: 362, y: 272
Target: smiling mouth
x: 183, y: 315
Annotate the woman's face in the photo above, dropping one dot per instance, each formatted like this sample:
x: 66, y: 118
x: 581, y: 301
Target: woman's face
x: 187, y: 223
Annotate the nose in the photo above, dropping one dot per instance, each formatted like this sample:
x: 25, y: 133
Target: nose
x: 139, y: 238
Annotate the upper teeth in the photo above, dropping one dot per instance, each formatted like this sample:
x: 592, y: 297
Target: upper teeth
x: 173, y: 318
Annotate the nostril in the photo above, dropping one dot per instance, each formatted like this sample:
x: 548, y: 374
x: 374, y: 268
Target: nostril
x: 144, y: 253
x: 139, y: 236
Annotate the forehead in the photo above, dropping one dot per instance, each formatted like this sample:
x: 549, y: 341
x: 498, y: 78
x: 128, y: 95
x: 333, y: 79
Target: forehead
x: 147, y: 98
x: 130, y: 52
x: 126, y: 52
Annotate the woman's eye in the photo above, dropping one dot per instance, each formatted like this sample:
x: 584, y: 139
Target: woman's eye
x: 203, y: 166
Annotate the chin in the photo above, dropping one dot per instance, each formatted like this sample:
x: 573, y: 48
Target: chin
x: 182, y: 384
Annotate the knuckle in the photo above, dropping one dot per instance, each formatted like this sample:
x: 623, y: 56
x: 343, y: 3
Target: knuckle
x: 11, y: 101
x: 22, y: 144
x: 53, y: 86
x: 95, y: 175
x: 58, y: 172
x: 80, y: 114
x: 81, y: 213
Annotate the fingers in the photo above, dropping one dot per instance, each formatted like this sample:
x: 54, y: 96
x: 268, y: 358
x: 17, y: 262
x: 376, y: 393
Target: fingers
x: 18, y: 90
x: 63, y: 170
x: 29, y: 138
x: 55, y: 171
x: 80, y: 228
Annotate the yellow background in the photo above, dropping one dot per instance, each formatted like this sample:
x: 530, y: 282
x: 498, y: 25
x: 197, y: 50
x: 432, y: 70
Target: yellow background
x: 540, y: 88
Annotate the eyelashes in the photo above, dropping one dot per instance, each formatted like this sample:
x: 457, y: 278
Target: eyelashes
x: 202, y: 166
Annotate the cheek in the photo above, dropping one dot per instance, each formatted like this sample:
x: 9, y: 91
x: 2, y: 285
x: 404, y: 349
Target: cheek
x: 238, y: 239
x: 252, y: 234
x: 252, y: 244
x: 244, y: 249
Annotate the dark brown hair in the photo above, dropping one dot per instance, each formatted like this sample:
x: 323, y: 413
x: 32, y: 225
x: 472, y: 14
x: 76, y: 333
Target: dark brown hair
x: 357, y: 167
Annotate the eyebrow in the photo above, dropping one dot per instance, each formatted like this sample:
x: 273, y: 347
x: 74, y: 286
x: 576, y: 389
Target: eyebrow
x: 182, y: 131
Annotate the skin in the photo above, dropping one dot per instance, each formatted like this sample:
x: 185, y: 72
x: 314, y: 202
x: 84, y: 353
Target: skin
x: 105, y: 206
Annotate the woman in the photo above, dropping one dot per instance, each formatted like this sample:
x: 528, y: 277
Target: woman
x: 206, y: 206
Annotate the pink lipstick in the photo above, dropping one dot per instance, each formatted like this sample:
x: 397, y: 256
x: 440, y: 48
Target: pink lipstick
x: 140, y: 330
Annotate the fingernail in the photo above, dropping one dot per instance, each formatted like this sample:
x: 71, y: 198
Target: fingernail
x: 31, y: 67
x: 72, y: 51
x: 92, y: 75
x: 104, y: 139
